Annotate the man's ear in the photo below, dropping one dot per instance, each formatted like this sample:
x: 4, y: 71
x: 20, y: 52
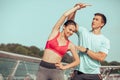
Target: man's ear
x: 102, y: 24
x: 77, y: 27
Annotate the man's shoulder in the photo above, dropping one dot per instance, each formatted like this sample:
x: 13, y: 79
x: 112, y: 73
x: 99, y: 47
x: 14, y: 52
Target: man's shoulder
x: 106, y: 38
x: 106, y: 41
x: 82, y: 28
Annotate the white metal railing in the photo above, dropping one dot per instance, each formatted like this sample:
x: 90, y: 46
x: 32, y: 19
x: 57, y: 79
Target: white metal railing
x: 28, y: 66
x: 106, y: 72
x: 18, y: 59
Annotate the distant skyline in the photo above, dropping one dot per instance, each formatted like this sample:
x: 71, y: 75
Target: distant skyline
x: 29, y: 22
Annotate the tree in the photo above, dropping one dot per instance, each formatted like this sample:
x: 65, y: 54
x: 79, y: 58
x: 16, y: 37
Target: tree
x: 67, y: 58
x: 35, y: 51
x: 104, y: 63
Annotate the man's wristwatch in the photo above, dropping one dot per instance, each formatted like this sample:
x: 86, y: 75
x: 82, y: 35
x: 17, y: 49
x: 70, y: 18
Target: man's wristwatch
x: 86, y: 50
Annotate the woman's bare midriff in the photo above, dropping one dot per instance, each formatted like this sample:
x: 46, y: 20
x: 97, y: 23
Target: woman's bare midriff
x: 51, y: 57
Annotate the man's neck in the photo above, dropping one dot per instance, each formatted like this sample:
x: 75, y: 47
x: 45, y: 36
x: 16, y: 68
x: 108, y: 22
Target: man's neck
x: 96, y: 31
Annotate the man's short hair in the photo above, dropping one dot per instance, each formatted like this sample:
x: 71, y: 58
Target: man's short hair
x: 103, y: 17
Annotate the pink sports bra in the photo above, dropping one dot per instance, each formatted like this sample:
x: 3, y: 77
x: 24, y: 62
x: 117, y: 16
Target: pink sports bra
x: 54, y: 46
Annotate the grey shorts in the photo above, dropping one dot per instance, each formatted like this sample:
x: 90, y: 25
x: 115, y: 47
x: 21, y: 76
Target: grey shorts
x: 48, y: 71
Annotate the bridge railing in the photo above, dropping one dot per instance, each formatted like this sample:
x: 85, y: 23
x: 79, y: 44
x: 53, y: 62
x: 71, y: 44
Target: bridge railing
x: 18, y: 67
x: 14, y: 66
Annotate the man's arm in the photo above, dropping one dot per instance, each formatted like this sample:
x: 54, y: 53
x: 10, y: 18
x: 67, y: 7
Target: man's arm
x: 100, y: 56
x: 63, y: 17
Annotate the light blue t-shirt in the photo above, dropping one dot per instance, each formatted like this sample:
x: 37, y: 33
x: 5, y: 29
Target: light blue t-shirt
x: 95, y: 43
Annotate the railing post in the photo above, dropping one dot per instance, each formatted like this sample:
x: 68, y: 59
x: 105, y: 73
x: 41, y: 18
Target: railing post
x: 11, y: 76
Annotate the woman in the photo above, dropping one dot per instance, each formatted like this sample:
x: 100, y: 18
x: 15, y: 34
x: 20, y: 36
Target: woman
x: 57, y: 45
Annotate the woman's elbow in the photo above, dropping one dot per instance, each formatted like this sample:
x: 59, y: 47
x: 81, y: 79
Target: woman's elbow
x: 78, y: 62
x: 65, y: 15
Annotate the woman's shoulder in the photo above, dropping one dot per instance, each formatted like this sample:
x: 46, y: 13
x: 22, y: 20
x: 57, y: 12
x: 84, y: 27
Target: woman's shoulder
x: 71, y: 44
x: 53, y: 35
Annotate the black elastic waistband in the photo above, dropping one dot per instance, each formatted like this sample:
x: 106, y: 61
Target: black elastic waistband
x: 47, y: 65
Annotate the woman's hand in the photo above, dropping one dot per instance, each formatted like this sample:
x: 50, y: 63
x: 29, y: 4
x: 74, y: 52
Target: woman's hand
x: 60, y: 66
x: 81, y: 5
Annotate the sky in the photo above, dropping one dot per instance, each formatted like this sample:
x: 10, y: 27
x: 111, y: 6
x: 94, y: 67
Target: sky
x: 29, y: 22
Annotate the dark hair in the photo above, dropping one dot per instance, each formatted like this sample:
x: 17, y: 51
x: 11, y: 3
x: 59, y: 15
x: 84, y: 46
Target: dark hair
x: 103, y: 17
x: 70, y: 22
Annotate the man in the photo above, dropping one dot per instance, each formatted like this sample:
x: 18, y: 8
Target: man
x: 93, y: 49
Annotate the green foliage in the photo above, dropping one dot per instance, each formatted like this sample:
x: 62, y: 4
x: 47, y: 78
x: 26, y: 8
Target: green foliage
x: 114, y: 63
x: 20, y: 49
x: 36, y: 52
x: 104, y: 63
x: 30, y: 51
x: 67, y: 58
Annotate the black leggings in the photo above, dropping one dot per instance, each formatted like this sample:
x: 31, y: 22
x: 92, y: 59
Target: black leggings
x: 48, y: 71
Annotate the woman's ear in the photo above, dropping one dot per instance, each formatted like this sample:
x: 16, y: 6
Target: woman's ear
x: 63, y: 27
